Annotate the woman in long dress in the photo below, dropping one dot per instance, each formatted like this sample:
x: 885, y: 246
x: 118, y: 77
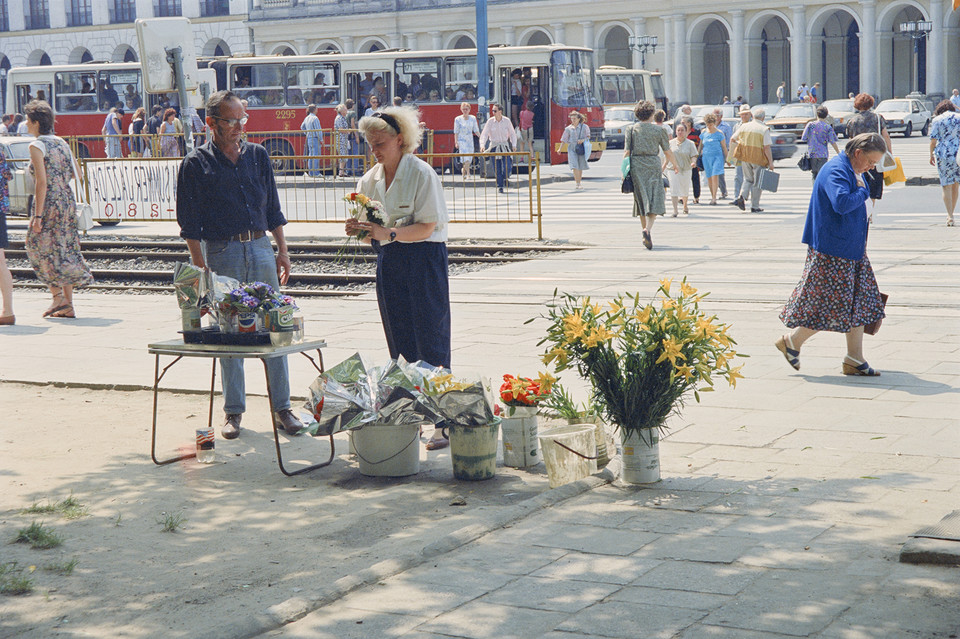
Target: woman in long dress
x: 465, y: 126
x: 684, y: 153
x: 944, y: 145
x: 53, y: 241
x: 644, y: 141
x: 341, y: 126
x: 169, y: 142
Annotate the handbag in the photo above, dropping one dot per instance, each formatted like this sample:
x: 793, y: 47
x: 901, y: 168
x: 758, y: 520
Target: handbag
x: 627, y: 185
x: 580, y: 149
x: 887, y: 162
x: 896, y: 174
x: 804, y: 163
x: 84, y: 209
x: 873, y: 327
x: 700, y: 162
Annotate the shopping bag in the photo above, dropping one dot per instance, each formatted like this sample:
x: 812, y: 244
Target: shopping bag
x: 84, y: 216
x: 768, y: 180
x: 873, y: 327
x: 894, y: 175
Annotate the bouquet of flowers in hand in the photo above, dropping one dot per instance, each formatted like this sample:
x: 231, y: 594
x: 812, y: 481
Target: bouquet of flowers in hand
x: 364, y: 209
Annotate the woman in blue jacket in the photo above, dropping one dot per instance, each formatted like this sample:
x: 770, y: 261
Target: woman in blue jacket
x: 837, y: 291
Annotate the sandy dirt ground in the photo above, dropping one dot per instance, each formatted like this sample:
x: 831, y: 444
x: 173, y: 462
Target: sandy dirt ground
x: 251, y: 537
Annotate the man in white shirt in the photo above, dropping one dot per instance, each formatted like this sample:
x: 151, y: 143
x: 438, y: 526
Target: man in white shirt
x: 499, y: 135
x: 3, y: 124
x: 803, y: 92
x: 955, y: 98
x: 311, y: 125
x: 782, y: 93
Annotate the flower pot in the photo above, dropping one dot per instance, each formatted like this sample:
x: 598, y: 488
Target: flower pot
x: 603, y: 454
x: 570, y: 453
x: 519, y: 433
x: 641, y: 456
x: 387, y: 450
x: 473, y: 450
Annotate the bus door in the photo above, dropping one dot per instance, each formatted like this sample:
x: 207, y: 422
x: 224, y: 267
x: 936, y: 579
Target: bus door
x: 31, y: 91
x: 535, y: 92
x: 361, y: 85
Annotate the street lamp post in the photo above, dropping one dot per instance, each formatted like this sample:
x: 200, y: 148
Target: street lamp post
x: 642, y: 44
x: 917, y: 30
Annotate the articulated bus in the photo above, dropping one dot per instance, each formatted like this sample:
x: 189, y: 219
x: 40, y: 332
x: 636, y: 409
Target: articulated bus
x: 82, y: 94
x: 556, y: 80
x: 622, y: 87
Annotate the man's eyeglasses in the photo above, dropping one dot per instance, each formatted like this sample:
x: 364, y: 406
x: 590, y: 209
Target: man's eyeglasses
x: 494, y: 110
x: 231, y: 122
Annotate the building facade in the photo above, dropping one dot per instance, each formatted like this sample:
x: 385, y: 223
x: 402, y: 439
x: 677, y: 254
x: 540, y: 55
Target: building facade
x: 742, y: 48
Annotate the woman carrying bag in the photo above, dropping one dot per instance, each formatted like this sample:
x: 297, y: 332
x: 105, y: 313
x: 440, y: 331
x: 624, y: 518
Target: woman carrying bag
x: 577, y: 138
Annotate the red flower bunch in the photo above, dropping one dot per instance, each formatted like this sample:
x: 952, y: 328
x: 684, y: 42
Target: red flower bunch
x: 523, y: 391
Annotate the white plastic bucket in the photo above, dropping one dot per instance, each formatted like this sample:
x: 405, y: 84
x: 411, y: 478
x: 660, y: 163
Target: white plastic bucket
x: 641, y: 457
x: 388, y: 450
x: 473, y: 451
x: 563, y: 465
x: 518, y: 429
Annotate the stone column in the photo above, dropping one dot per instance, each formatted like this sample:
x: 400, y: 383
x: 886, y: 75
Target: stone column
x: 799, y: 63
x: 754, y: 71
x: 509, y: 35
x: 639, y: 29
x: 935, y: 49
x: 301, y: 46
x: 435, y: 40
x: 681, y: 67
x: 670, y: 80
x: 738, y: 58
x: 588, y: 35
x: 349, y: 46
x: 868, y: 48
x: 394, y: 40
x: 413, y: 41
x: 559, y: 32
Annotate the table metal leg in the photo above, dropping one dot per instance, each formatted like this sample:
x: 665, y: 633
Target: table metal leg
x: 157, y: 376
x: 276, y: 427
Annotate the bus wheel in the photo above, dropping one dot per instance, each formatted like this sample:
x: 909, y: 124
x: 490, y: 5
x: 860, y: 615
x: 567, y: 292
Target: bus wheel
x: 83, y: 152
x: 108, y: 222
x: 277, y: 149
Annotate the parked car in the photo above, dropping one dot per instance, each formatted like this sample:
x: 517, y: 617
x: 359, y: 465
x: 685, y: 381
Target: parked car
x: 615, y: 123
x: 783, y: 146
x: 792, y: 118
x: 905, y: 116
x: 840, y: 111
x: 16, y: 151
x: 771, y: 109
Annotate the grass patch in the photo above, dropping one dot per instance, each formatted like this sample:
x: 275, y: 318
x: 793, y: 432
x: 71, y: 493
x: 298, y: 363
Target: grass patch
x: 13, y: 581
x: 68, y: 508
x: 63, y: 567
x: 38, y: 537
x: 171, y: 522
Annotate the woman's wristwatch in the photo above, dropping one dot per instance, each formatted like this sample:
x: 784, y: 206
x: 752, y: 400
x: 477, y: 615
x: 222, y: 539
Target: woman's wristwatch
x: 393, y: 235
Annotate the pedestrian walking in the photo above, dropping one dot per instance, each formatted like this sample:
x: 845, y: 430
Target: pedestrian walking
x: 525, y: 135
x: 868, y: 121
x: 685, y: 158
x: 727, y: 131
x: 227, y: 201
x: 412, y: 283
x: 745, y: 116
x: 643, y: 143
x: 751, y: 145
x: 465, y: 126
x: 314, y: 137
x: 818, y: 134
x: 713, y: 151
x: 782, y: 93
x: 341, y: 129
x: 111, y: 129
x: 837, y: 291
x: 53, y: 239
x: 944, y: 146
x: 7, y: 318
x: 693, y: 134
x: 577, y: 138
x: 659, y: 118
x: 815, y: 92
x: 803, y: 92
x: 135, y: 131
x: 352, y: 119
x: 499, y: 136
x: 169, y: 145
x: 5, y: 121
x: 955, y: 99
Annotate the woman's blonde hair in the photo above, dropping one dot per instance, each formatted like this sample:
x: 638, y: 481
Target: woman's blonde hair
x: 580, y: 117
x: 394, y: 120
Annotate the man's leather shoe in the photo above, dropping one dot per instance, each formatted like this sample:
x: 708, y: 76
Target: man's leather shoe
x: 740, y: 203
x: 291, y: 425
x: 231, y: 426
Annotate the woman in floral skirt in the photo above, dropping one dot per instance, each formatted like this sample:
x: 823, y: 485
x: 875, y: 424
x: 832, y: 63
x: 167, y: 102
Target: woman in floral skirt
x: 837, y: 291
x: 53, y: 242
x: 944, y: 146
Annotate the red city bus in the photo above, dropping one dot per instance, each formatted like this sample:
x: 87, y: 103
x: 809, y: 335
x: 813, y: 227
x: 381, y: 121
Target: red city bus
x: 82, y: 94
x: 556, y: 79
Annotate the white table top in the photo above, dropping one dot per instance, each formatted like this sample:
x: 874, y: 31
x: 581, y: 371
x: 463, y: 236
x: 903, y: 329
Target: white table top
x: 177, y: 347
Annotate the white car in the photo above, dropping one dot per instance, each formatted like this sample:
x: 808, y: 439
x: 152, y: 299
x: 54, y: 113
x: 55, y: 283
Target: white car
x: 16, y: 152
x: 904, y: 115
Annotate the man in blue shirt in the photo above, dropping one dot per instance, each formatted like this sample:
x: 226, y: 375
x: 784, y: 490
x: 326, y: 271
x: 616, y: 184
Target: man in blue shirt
x: 311, y: 126
x: 111, y: 129
x: 226, y: 202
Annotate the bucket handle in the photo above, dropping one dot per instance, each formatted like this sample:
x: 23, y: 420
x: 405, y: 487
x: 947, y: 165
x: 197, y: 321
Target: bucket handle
x: 574, y: 452
x: 357, y: 452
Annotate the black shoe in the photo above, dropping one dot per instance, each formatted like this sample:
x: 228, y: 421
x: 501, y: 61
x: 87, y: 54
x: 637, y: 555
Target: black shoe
x: 647, y: 241
x: 231, y: 426
x: 756, y: 210
x: 500, y: 188
x: 740, y: 204
x: 291, y: 425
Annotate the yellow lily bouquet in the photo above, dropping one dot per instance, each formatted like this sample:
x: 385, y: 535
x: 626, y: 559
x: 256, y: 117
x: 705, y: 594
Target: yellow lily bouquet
x: 641, y: 358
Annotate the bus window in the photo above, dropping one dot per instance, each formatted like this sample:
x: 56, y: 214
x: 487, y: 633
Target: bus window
x: 460, y: 76
x: 625, y: 83
x: 313, y: 83
x: 28, y: 92
x: 165, y: 101
x: 573, y: 78
x: 75, y: 91
x: 373, y: 82
x: 420, y: 79
x: 659, y: 95
x: 258, y: 84
x: 639, y: 88
x: 608, y: 84
x: 120, y: 89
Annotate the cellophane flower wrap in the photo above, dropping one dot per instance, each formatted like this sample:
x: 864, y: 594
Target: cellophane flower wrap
x: 453, y: 401
x: 641, y: 358
x: 364, y: 209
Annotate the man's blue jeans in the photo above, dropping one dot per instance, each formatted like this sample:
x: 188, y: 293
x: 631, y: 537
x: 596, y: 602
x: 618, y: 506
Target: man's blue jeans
x: 113, y: 148
x: 248, y: 262
x: 354, y: 164
x: 313, y: 148
x: 503, y: 164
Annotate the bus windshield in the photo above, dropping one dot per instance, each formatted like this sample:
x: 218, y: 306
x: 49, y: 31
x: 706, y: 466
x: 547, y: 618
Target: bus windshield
x: 573, y: 78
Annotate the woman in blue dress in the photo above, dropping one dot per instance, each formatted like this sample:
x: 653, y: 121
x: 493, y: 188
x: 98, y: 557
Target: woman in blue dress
x: 713, y: 150
x: 944, y: 145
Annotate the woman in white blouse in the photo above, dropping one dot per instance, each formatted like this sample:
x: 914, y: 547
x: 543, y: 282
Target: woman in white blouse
x: 412, y: 286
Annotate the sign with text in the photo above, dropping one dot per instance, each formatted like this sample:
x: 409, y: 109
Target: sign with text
x: 141, y: 190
